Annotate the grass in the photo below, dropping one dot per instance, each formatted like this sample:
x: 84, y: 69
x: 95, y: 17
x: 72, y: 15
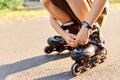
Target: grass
x: 115, y: 3
x: 8, y: 15
x: 17, y: 15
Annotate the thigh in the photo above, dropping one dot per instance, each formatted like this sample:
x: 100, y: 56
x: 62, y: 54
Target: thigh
x: 102, y: 18
x: 65, y: 7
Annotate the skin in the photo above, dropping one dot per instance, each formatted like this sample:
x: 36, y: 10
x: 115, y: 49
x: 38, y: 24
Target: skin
x: 86, y: 14
x: 54, y: 11
x: 62, y: 17
x: 69, y: 38
x: 83, y: 11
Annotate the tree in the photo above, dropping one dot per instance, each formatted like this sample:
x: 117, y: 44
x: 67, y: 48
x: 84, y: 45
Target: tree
x: 10, y: 4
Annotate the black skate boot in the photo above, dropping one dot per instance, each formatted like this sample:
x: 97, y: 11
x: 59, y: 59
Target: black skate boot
x: 56, y: 43
x: 85, y: 59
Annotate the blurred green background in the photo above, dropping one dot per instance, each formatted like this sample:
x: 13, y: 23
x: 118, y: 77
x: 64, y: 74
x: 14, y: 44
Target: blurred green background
x: 14, y: 4
x: 17, y: 9
x: 10, y: 4
x: 114, y: 1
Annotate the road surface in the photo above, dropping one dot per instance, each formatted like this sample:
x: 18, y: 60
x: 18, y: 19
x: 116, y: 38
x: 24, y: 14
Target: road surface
x: 22, y: 54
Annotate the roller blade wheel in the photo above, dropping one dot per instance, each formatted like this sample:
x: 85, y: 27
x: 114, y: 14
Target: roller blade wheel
x: 96, y: 62
x: 75, y: 69
x: 104, y: 55
x: 87, y: 67
x: 60, y: 49
x: 48, y: 49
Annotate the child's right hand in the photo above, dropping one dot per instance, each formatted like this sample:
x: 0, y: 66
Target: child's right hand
x: 70, y: 39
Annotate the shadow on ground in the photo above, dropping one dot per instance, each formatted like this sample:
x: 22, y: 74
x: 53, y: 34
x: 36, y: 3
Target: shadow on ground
x: 59, y: 76
x: 6, y: 70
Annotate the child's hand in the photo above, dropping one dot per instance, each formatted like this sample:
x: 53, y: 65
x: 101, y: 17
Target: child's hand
x: 83, y: 36
x: 71, y: 41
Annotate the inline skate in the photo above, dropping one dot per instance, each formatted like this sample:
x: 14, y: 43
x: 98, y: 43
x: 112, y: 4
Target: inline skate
x: 85, y: 60
x: 57, y: 43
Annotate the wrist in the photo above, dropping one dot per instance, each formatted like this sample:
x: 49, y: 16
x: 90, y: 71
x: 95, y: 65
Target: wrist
x: 85, y: 28
x: 65, y: 35
x: 86, y: 24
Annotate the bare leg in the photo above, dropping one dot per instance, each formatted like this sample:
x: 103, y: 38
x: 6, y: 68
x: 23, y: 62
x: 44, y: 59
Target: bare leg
x: 55, y: 11
x: 80, y: 8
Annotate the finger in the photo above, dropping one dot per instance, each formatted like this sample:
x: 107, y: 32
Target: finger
x: 79, y: 42
x: 71, y: 40
x: 85, y: 42
x: 73, y: 36
x: 72, y: 44
x: 76, y: 44
x: 82, y: 43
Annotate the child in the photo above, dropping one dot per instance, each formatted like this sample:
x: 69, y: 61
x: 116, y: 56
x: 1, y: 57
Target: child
x: 84, y: 17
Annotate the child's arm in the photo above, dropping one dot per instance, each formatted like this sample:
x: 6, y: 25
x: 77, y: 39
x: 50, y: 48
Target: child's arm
x: 57, y: 27
x: 96, y: 10
x: 69, y: 38
x: 83, y: 35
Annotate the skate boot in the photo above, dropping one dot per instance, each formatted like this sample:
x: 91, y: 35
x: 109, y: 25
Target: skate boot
x: 57, y: 43
x: 85, y: 60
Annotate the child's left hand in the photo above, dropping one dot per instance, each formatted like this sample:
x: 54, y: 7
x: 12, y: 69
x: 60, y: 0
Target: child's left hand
x: 83, y: 36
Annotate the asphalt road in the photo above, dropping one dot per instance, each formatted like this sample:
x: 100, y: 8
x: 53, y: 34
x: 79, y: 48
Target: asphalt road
x: 22, y: 54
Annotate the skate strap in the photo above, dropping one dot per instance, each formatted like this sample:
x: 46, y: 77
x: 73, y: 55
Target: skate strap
x: 65, y: 25
x: 99, y: 45
x: 68, y: 23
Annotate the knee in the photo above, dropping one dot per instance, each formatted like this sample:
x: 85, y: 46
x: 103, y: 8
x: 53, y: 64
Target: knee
x: 45, y: 3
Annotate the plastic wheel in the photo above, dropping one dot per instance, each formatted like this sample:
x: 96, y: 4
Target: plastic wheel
x: 48, y: 49
x: 87, y: 67
x: 75, y: 69
x: 59, y: 49
x: 96, y: 62
x: 104, y: 56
